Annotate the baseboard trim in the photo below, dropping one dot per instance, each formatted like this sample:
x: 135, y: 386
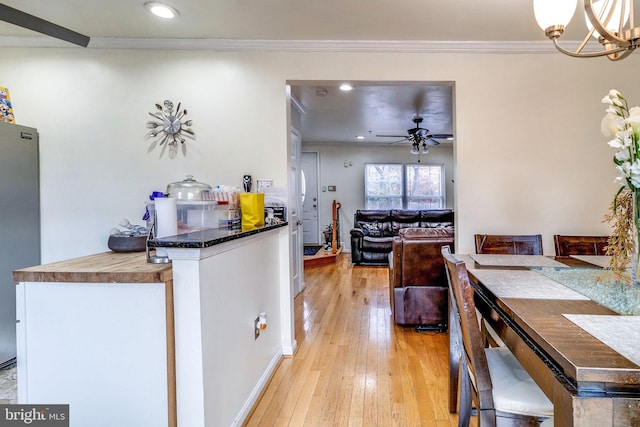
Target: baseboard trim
x: 259, y: 388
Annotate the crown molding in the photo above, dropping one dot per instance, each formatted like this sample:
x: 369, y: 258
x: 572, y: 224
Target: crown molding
x: 396, y: 46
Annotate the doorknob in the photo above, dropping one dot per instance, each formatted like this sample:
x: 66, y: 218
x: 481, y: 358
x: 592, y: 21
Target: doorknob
x: 315, y: 206
x: 299, y: 222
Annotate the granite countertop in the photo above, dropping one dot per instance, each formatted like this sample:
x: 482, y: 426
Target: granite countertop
x: 209, y: 237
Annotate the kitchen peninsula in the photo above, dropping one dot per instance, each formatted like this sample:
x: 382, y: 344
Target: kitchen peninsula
x: 158, y: 344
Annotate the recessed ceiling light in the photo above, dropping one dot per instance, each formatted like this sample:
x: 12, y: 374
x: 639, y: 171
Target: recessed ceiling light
x: 346, y: 87
x: 160, y: 9
x: 359, y: 137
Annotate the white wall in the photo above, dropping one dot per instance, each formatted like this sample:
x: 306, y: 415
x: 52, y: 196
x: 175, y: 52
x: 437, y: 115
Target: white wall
x: 529, y: 155
x: 349, y: 181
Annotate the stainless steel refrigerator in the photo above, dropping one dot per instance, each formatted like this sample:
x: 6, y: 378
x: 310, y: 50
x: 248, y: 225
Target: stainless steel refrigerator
x: 19, y: 222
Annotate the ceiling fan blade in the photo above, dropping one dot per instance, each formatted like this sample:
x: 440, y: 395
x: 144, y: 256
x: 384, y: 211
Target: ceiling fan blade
x: 441, y: 135
x: 25, y: 20
x: 398, y: 141
x: 431, y: 142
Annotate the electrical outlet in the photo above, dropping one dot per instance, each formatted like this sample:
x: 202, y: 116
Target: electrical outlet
x: 256, y: 327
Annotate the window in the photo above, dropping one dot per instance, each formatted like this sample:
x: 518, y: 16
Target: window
x: 383, y: 184
x: 398, y: 186
x: 424, y: 187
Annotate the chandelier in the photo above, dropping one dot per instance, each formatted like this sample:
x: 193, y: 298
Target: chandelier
x: 610, y: 22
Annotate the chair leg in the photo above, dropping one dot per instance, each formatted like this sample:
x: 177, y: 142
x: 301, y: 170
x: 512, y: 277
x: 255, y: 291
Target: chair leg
x: 487, y: 418
x: 455, y: 352
x: 464, y: 417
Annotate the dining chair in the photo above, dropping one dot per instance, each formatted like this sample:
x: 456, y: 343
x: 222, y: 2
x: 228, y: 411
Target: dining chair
x: 580, y: 245
x: 505, y: 245
x: 509, y: 244
x: 491, y: 379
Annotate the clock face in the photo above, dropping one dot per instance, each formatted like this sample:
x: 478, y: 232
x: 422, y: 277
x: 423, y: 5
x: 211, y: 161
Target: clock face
x: 170, y: 127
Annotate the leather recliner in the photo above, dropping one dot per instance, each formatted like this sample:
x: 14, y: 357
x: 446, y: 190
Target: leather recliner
x: 417, y: 277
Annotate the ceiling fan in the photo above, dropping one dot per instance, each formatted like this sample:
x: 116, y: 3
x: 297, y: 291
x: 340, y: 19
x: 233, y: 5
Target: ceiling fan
x: 419, y: 136
x: 30, y: 22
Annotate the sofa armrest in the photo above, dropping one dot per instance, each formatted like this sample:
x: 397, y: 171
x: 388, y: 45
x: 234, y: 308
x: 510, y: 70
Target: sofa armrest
x: 357, y: 232
x: 395, y: 264
x: 357, y: 235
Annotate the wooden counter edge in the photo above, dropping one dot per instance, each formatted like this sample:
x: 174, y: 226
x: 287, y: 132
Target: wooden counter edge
x: 108, y: 267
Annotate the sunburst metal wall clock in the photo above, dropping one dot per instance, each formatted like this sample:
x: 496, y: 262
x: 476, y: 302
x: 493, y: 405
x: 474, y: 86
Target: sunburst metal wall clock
x: 170, y: 128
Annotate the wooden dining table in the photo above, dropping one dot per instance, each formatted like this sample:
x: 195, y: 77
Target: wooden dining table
x: 584, y: 356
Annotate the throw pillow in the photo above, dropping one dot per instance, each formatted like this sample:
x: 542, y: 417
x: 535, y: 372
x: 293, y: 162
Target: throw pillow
x: 371, y: 229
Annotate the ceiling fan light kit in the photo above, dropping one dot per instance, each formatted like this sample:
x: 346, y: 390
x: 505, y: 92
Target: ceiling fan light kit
x: 419, y: 137
x: 610, y: 22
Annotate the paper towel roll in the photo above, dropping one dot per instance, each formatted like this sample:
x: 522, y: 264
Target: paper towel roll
x: 166, y: 216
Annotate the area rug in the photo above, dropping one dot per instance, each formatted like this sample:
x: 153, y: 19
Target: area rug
x: 311, y: 250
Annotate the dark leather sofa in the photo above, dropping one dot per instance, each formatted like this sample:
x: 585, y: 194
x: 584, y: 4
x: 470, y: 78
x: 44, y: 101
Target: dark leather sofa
x: 417, y: 277
x: 373, y: 231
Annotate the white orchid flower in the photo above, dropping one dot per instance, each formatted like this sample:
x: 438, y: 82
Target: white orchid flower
x: 622, y: 126
x: 616, y: 97
x: 620, y: 181
x: 616, y: 143
x: 634, y: 174
x: 610, y: 125
x: 622, y: 156
x: 613, y: 98
x: 634, y: 120
x: 613, y: 110
x: 622, y: 171
x: 626, y: 137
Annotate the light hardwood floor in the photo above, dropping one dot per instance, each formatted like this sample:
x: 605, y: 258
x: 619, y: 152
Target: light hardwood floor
x: 354, y: 366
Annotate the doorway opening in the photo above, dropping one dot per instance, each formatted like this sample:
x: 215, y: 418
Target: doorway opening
x: 371, y: 123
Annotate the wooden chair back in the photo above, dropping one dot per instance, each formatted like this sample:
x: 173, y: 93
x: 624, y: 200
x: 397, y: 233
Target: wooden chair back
x: 509, y: 244
x: 580, y: 245
x: 476, y: 388
x: 473, y: 358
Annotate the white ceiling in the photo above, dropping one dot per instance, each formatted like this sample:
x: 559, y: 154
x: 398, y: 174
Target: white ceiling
x: 436, y: 20
x: 334, y: 116
x: 369, y: 109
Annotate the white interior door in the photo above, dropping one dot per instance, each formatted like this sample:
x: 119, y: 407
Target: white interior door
x: 310, y: 222
x: 295, y: 221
